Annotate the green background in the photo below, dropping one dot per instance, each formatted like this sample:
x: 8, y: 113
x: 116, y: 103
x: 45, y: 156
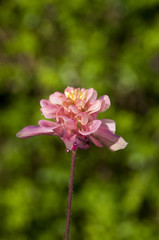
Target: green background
x: 112, y: 46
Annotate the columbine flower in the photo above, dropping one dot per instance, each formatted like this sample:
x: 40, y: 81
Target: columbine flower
x: 75, y: 120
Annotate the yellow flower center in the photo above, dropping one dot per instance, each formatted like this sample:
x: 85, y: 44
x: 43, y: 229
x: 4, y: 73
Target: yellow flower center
x: 74, y: 96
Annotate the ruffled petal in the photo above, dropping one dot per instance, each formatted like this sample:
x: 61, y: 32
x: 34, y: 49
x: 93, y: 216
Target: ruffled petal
x: 105, y: 103
x: 31, y: 131
x: 48, y: 115
x: 90, y: 128
x: 82, y: 118
x: 50, y: 108
x: 73, y: 109
x: 91, y: 95
x: 57, y: 98
x: 69, y: 124
x: 94, y: 107
x: 106, y: 137
x: 80, y: 103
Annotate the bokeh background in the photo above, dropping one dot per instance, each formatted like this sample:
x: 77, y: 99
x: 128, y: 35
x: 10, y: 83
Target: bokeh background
x: 112, y: 46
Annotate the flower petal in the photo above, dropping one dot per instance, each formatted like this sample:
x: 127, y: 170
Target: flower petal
x: 90, y: 128
x: 80, y: 103
x: 69, y: 141
x: 48, y: 115
x: 73, y: 109
x: 69, y: 124
x: 120, y: 144
x: 113, y: 141
x: 94, y: 107
x: 48, y: 124
x: 69, y: 90
x: 95, y: 141
x: 57, y: 98
x: 44, y: 102
x: 105, y: 103
x: 50, y: 108
x: 82, y: 143
x: 31, y: 131
x: 82, y: 118
x: 110, y: 124
x: 91, y: 95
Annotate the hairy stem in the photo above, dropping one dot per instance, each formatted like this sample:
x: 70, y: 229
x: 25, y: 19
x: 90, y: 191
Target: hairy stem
x: 70, y: 195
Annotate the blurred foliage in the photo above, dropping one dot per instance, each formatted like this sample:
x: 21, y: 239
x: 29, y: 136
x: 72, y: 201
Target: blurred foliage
x: 112, y: 46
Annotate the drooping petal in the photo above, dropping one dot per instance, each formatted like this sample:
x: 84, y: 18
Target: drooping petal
x: 94, y: 107
x: 110, y: 124
x: 90, y: 128
x: 105, y: 103
x: 91, y: 95
x: 106, y: 137
x: 69, y: 140
x: 31, y: 131
x: 95, y: 141
x: 82, y: 143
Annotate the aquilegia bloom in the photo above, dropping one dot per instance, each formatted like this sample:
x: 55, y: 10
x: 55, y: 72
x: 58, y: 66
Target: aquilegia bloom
x: 75, y: 120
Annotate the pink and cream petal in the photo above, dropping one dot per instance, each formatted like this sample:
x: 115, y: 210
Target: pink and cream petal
x: 120, y: 144
x: 106, y: 137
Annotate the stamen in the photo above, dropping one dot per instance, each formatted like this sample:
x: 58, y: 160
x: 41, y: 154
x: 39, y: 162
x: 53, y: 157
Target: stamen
x: 80, y: 95
x: 73, y: 95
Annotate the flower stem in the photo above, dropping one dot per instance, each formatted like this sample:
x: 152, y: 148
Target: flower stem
x: 70, y: 195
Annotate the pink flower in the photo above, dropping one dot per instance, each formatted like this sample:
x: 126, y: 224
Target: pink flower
x: 75, y: 120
